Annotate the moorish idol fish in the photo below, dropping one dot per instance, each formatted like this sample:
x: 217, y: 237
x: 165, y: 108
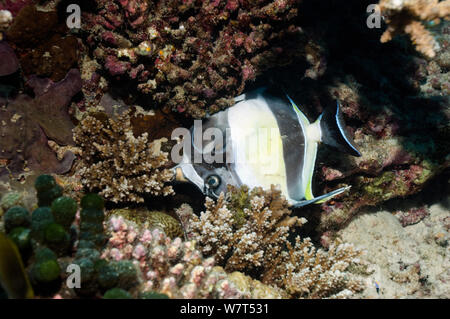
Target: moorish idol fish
x: 13, y: 277
x: 266, y: 140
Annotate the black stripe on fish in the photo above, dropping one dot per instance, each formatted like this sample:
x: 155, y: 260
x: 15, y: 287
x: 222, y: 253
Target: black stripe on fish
x: 293, y: 141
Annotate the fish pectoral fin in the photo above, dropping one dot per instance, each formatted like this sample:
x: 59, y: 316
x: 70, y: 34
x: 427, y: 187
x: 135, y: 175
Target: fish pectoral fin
x: 320, y: 199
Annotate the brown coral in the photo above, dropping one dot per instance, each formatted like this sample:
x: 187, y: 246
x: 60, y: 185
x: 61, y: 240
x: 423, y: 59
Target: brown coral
x: 122, y: 166
x: 405, y: 16
x: 248, y: 231
x: 26, y: 124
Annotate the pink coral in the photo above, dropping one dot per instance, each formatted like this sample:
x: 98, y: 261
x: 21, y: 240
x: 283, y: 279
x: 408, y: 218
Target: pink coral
x: 192, y: 56
x: 412, y: 216
x: 174, y: 267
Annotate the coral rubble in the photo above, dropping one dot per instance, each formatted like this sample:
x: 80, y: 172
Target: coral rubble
x: 407, y: 262
x: 122, y: 166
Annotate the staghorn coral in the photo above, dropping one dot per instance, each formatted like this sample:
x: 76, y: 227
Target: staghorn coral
x: 250, y: 238
x: 405, y: 16
x: 248, y: 231
x: 122, y: 166
x: 191, y: 56
x: 171, y: 267
x: 315, y: 273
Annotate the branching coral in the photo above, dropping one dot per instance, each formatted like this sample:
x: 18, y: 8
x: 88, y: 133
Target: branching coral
x: 124, y: 167
x: 405, y: 16
x: 192, y: 56
x: 248, y: 231
x: 315, y: 273
x: 172, y: 267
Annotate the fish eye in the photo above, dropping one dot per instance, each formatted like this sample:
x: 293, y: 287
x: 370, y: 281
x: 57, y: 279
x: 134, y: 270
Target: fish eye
x: 213, y: 181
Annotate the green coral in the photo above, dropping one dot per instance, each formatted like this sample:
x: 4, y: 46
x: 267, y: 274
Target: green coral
x: 91, y: 223
x: 9, y: 200
x: 117, y: 293
x: 152, y: 295
x: 64, y: 210
x: 40, y: 219
x: 127, y: 273
x: 16, y: 216
x: 47, y: 190
x: 92, y: 201
x: 108, y: 277
x: 46, y: 268
x: 239, y: 201
x: 21, y: 237
x: 46, y: 234
x: 57, y: 238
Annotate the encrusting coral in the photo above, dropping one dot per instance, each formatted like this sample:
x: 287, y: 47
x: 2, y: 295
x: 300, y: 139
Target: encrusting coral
x: 191, y: 56
x: 150, y: 219
x: 248, y: 231
x: 406, y: 16
x: 26, y: 125
x: 122, y: 166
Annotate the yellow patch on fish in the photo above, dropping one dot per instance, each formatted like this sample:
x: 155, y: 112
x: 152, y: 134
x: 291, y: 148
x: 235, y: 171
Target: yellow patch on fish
x: 13, y: 277
x: 257, y: 146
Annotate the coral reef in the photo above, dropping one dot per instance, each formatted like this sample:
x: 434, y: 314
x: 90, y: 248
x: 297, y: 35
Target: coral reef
x: 406, y: 16
x: 403, y: 140
x: 14, y: 6
x: 172, y: 267
x: 42, y: 43
x: 191, y: 56
x: 10, y: 63
x: 5, y: 21
x: 248, y: 231
x: 27, y: 123
x: 412, y: 216
x: 150, y: 219
x: 122, y: 166
x: 43, y: 235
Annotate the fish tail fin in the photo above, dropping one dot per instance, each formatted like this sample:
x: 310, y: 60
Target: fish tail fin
x: 13, y: 277
x: 333, y: 131
x: 320, y: 199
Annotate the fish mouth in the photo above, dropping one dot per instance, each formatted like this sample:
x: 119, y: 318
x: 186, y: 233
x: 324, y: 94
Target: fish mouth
x: 179, y: 175
x: 186, y: 173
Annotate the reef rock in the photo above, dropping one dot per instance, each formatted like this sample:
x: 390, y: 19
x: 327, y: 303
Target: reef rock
x: 27, y: 124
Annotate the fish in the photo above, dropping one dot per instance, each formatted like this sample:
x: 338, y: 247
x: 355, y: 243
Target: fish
x: 13, y: 277
x: 263, y: 139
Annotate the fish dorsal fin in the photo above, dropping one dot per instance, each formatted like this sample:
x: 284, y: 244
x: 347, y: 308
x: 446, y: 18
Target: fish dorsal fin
x: 333, y: 131
x: 302, y: 118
